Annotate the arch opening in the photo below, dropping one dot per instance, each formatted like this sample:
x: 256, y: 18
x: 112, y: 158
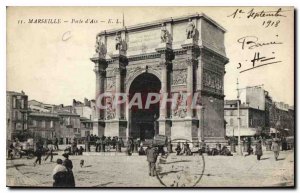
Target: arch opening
x: 142, y: 121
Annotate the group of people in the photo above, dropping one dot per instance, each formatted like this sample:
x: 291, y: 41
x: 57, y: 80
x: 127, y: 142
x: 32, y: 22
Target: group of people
x: 104, y: 143
x: 202, y: 148
x: 74, y: 150
x: 259, y: 152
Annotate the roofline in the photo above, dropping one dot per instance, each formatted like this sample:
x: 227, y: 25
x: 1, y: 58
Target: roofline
x: 166, y: 20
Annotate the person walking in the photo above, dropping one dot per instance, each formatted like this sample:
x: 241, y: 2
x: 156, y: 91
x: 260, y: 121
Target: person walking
x: 70, y: 180
x: 258, y: 150
x: 59, y: 174
x: 38, y: 154
x: 152, y: 158
x: 49, y: 153
x: 56, y: 144
x: 275, y: 148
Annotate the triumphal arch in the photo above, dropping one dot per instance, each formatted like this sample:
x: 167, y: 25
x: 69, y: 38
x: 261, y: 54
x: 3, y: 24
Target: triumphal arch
x: 172, y: 56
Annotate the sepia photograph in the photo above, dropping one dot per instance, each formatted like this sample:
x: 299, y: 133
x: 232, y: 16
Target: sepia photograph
x: 135, y: 97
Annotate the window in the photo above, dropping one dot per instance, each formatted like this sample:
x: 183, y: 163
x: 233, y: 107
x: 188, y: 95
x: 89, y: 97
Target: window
x: 51, y: 124
x: 22, y: 104
x: 14, y: 102
x: 43, y: 124
x: 231, y: 122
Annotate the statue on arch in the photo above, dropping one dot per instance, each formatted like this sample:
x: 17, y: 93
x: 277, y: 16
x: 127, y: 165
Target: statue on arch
x: 165, y: 36
x: 190, y: 30
x: 100, y: 47
x: 118, y: 39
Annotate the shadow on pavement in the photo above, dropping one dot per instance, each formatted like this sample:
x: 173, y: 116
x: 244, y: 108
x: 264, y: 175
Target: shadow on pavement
x: 264, y: 158
x: 177, y: 161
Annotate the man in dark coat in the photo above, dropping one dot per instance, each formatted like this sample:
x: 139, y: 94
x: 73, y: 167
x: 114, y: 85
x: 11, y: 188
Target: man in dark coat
x: 56, y: 144
x: 258, y: 150
x: 103, y: 143
x: 38, y: 153
x: 152, y: 158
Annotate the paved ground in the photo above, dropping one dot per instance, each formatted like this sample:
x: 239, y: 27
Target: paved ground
x: 112, y: 170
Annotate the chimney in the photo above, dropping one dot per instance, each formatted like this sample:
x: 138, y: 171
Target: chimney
x: 86, y: 101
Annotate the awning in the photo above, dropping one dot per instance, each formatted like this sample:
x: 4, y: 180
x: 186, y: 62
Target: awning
x: 243, y: 131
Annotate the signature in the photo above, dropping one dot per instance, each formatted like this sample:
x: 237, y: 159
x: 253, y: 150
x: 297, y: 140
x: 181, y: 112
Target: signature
x: 66, y: 36
x: 259, y: 61
x: 251, y: 42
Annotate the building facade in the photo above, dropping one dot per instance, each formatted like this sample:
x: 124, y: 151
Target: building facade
x: 16, y: 114
x: 43, y: 125
x: 252, y: 120
x: 170, y: 56
x: 86, y: 111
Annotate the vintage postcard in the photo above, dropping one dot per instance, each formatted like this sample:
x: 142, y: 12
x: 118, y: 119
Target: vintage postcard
x: 150, y: 97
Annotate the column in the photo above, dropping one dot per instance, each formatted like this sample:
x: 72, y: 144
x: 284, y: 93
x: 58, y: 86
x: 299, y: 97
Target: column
x: 163, y: 91
x: 100, y: 76
x: 118, y: 91
x: 190, y: 90
x: 97, y: 91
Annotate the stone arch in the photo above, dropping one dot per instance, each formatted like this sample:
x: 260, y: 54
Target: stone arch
x: 138, y: 72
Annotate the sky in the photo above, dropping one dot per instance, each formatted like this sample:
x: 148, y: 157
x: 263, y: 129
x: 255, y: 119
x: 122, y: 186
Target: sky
x: 54, y: 71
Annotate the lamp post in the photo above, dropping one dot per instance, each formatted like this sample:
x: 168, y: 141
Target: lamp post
x: 240, y: 152
x: 239, y: 121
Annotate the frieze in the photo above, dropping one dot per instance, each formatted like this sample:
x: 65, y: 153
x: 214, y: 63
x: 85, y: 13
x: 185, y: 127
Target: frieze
x: 212, y: 81
x: 110, y: 111
x: 179, y: 77
x: 111, y: 72
x: 110, y: 83
x: 180, y: 108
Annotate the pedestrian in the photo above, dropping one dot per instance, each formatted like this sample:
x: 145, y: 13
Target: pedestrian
x: 49, y: 153
x: 80, y: 150
x: 38, y: 153
x: 121, y: 142
x: 118, y: 145
x: 59, y: 174
x: 249, y: 148
x: 10, y: 151
x: 113, y: 142
x: 70, y: 181
x: 128, y: 150
x: 141, y: 151
x: 178, y: 149
x: 103, y: 143
x: 67, y: 163
x: 56, y: 144
x: 108, y: 143
x: 98, y: 144
x: 152, y: 158
x: 87, y: 143
x: 258, y: 150
x: 170, y: 146
x: 275, y: 148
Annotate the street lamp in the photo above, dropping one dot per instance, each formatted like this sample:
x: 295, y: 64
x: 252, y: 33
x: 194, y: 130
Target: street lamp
x: 239, y: 118
x: 239, y: 121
